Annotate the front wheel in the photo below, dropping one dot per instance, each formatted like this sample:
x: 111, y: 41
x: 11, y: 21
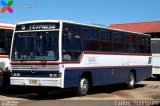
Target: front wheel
x: 83, y: 87
x: 131, y: 80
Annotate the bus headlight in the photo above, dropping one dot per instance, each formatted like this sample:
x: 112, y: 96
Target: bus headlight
x: 16, y: 74
x: 56, y: 75
x: 51, y: 75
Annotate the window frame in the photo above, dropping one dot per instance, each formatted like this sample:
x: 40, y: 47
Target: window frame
x: 73, y: 28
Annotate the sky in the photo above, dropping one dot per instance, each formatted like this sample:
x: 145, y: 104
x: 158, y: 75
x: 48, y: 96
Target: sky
x: 102, y: 12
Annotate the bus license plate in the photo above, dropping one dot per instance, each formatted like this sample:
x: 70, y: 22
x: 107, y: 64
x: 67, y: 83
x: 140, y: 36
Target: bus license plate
x: 33, y: 82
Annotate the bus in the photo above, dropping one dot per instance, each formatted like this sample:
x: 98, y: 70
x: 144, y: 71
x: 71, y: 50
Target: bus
x: 155, y: 45
x: 6, y: 32
x: 65, y: 54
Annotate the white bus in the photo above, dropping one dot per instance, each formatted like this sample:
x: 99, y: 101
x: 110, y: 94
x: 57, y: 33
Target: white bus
x: 155, y: 42
x: 6, y: 32
x: 64, y: 54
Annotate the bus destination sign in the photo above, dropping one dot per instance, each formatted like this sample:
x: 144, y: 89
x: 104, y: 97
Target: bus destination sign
x: 37, y: 26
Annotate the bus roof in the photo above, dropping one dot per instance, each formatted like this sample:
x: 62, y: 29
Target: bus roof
x: 128, y: 31
x: 6, y: 26
x: 71, y: 22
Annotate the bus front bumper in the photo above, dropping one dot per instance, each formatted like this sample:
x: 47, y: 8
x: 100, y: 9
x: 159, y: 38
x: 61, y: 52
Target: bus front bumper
x: 25, y: 81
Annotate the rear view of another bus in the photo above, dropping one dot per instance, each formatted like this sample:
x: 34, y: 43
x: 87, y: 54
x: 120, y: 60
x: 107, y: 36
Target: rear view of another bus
x: 6, y: 31
x: 155, y: 42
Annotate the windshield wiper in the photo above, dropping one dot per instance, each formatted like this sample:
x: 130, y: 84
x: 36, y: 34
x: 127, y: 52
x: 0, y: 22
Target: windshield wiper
x: 24, y: 56
x: 44, y: 59
x: 22, y: 59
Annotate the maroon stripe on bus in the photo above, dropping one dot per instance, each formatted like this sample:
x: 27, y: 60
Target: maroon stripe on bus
x: 110, y: 53
x: 98, y: 67
x: 35, y: 63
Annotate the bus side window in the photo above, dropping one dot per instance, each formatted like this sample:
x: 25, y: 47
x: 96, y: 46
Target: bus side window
x: 105, y: 41
x: 90, y: 37
x: 71, y: 49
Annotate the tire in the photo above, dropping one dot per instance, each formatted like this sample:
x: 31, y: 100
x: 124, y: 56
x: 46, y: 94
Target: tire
x: 131, y: 80
x: 83, y: 87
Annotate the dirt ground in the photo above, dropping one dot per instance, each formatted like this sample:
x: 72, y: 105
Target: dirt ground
x: 144, y: 90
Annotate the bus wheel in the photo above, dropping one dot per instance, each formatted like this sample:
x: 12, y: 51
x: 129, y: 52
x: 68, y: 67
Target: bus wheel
x: 83, y: 86
x: 131, y: 80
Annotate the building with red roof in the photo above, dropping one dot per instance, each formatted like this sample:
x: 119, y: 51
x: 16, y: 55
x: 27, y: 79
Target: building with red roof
x: 152, y: 28
x: 142, y: 27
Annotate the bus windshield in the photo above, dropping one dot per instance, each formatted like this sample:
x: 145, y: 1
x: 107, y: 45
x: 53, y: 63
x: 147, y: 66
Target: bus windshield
x: 35, y: 46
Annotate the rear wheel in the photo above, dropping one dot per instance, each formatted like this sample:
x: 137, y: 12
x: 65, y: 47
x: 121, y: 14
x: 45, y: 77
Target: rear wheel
x: 83, y: 86
x: 131, y: 80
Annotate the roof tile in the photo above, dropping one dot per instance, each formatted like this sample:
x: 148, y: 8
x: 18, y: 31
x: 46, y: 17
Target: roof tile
x: 142, y: 27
